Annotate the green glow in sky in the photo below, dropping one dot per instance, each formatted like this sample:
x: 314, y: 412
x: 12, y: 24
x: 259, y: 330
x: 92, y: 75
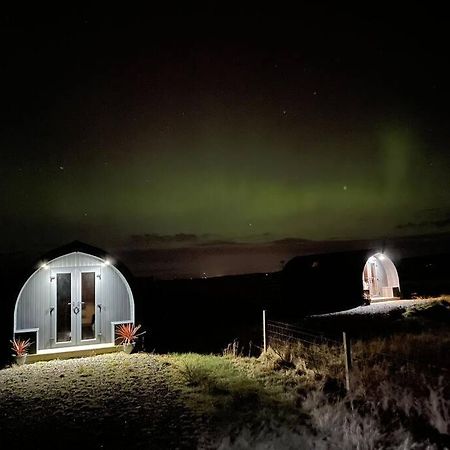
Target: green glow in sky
x: 248, y: 186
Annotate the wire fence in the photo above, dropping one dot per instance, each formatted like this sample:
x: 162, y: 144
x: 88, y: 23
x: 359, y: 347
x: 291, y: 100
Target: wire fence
x: 318, y: 352
x: 285, y: 332
x: 334, y: 355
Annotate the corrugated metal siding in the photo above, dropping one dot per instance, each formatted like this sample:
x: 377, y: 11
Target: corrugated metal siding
x: 391, y: 273
x: 37, y: 296
x: 33, y: 305
x: 75, y: 260
x: 112, y: 292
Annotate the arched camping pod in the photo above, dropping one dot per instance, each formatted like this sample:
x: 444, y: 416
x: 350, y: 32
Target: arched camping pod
x: 73, y: 301
x: 380, y: 278
x: 333, y: 281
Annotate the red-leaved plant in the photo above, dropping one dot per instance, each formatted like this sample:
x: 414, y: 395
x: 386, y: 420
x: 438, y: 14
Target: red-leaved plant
x: 127, y: 333
x: 20, y: 346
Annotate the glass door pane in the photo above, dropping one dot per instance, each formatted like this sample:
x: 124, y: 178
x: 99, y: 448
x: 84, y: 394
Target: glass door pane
x: 87, y: 305
x: 64, y: 307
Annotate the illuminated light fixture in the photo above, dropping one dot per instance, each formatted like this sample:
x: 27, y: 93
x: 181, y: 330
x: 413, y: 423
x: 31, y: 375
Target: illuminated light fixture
x: 107, y: 262
x: 44, y: 266
x: 381, y: 257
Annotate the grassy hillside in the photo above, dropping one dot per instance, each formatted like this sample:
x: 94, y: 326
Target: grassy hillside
x: 290, y: 397
x: 211, y: 401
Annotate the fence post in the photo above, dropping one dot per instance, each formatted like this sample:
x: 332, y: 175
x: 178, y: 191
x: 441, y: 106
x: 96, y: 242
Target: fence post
x: 264, y: 331
x: 348, y: 359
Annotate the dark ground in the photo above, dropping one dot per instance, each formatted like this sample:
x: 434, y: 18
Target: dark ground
x: 105, y: 402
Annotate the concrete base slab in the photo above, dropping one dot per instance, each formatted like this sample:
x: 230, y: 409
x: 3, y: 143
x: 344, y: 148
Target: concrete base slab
x: 73, y: 352
x: 383, y: 299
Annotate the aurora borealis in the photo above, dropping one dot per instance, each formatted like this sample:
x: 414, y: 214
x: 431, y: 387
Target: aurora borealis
x: 180, y: 133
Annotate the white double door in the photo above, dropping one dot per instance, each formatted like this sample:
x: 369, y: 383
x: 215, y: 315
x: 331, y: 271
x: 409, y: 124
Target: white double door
x: 75, y: 308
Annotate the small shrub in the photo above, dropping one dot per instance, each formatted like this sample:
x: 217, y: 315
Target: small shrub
x: 437, y: 408
x: 127, y: 333
x: 193, y: 375
x: 232, y: 349
x: 20, y: 346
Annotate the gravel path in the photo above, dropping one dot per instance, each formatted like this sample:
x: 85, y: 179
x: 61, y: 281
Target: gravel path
x: 108, y: 401
x: 376, y: 308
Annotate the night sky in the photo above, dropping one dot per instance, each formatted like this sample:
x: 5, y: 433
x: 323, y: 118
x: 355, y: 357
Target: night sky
x: 221, y: 143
